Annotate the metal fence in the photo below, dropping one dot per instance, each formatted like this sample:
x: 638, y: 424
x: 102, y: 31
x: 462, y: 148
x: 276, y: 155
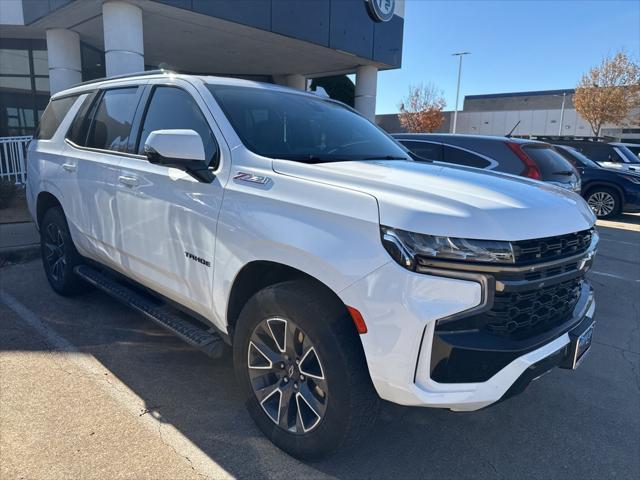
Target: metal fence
x: 13, y: 153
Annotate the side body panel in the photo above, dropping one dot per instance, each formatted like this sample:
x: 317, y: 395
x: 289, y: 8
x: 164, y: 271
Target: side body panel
x: 44, y: 165
x: 165, y: 218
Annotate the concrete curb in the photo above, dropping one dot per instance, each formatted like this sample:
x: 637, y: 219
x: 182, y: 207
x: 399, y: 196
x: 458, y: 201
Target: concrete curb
x: 19, y: 254
x: 19, y: 242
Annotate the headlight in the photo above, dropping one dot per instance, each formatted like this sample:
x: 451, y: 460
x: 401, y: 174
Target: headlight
x: 405, y: 246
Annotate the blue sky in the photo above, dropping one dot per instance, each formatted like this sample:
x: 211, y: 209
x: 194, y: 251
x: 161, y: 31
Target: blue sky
x: 515, y: 45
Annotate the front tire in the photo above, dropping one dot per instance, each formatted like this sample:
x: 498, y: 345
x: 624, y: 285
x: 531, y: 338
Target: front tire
x: 59, y: 254
x: 604, y: 202
x: 301, y: 368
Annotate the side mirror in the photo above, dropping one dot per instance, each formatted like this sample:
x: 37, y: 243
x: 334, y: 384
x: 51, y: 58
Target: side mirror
x: 182, y: 149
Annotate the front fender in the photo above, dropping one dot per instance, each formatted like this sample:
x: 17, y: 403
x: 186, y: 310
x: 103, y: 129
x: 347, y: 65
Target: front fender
x: 330, y: 233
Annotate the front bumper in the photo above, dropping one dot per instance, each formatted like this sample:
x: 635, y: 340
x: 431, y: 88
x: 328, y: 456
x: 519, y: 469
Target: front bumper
x: 403, y: 345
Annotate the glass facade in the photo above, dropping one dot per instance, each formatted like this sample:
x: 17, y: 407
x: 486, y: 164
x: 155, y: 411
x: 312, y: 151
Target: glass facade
x: 24, y: 82
x: 24, y: 85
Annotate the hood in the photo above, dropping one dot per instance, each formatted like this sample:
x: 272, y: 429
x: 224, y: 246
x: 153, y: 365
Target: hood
x: 624, y: 167
x: 454, y: 201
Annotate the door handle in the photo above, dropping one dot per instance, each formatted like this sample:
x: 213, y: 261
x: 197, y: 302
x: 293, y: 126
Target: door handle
x: 129, y: 181
x: 69, y: 167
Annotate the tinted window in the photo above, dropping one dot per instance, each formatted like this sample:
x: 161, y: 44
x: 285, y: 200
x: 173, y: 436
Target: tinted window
x: 77, y: 133
x: 426, y: 150
x: 635, y: 149
x: 549, y: 162
x: 53, y: 116
x: 627, y: 155
x: 463, y: 157
x: 173, y: 108
x: 304, y: 128
x: 599, y: 152
x: 576, y: 158
x: 111, y: 124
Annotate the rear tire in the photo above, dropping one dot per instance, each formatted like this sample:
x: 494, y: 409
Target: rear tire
x: 297, y: 320
x: 604, y: 202
x: 59, y: 254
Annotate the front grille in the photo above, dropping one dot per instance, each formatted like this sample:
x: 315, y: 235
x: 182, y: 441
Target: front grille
x: 551, y: 248
x: 525, y: 313
x: 537, y: 294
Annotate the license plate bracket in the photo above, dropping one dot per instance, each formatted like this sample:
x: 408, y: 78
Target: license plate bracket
x: 580, y: 339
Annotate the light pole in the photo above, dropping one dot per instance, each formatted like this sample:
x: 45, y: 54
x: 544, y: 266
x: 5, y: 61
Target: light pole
x: 455, y: 113
x: 564, y: 98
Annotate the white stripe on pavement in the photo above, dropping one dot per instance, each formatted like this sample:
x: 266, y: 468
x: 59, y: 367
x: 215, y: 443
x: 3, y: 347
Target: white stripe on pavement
x: 196, y: 458
x: 604, y: 274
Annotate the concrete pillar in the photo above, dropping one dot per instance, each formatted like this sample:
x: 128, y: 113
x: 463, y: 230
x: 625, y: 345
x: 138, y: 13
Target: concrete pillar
x: 296, y: 81
x: 123, y: 46
x: 366, y: 87
x: 65, y: 64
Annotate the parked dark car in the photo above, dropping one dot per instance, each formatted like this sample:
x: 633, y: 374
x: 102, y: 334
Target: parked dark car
x: 607, y: 191
x: 614, y: 155
x: 527, y: 158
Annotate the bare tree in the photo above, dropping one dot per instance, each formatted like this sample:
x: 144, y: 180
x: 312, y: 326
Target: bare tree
x: 421, y: 110
x: 608, y: 92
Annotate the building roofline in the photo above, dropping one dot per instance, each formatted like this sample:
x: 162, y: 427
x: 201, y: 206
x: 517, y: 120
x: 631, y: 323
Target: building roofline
x: 537, y: 93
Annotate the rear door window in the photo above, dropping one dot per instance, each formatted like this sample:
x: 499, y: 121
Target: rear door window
x: 550, y: 163
x: 53, y: 116
x: 426, y: 150
x: 111, y: 123
x: 77, y: 132
x: 464, y: 157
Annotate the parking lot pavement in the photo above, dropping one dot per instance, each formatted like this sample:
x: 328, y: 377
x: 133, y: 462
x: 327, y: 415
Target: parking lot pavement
x: 89, y: 388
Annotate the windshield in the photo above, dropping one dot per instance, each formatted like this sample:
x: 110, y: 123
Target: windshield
x: 297, y: 127
x: 576, y: 157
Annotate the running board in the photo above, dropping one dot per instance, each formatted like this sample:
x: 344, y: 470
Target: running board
x: 209, y: 342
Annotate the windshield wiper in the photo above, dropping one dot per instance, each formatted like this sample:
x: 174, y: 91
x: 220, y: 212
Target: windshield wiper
x: 310, y: 158
x: 386, y: 157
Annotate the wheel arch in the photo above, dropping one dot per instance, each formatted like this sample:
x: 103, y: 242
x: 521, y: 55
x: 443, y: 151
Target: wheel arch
x: 44, y: 202
x: 260, y: 274
x: 591, y: 185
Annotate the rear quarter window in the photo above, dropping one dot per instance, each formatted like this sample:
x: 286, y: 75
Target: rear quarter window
x: 53, y: 116
x: 426, y: 150
x: 464, y: 157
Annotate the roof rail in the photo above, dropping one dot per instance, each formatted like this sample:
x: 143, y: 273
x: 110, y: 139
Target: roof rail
x: 126, y: 75
x: 581, y: 138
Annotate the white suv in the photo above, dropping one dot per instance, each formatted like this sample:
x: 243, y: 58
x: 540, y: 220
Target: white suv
x: 293, y: 229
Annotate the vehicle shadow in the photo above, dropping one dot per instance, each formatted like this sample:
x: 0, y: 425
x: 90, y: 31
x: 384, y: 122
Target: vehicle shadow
x: 536, y: 434
x: 628, y: 218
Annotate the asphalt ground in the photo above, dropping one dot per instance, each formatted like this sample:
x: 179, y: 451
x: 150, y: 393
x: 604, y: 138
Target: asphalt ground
x: 91, y: 389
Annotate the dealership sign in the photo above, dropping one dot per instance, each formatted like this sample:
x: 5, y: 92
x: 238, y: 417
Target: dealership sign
x: 381, y: 10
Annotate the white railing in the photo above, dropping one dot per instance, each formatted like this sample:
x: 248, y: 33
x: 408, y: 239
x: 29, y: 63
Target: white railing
x: 13, y: 153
